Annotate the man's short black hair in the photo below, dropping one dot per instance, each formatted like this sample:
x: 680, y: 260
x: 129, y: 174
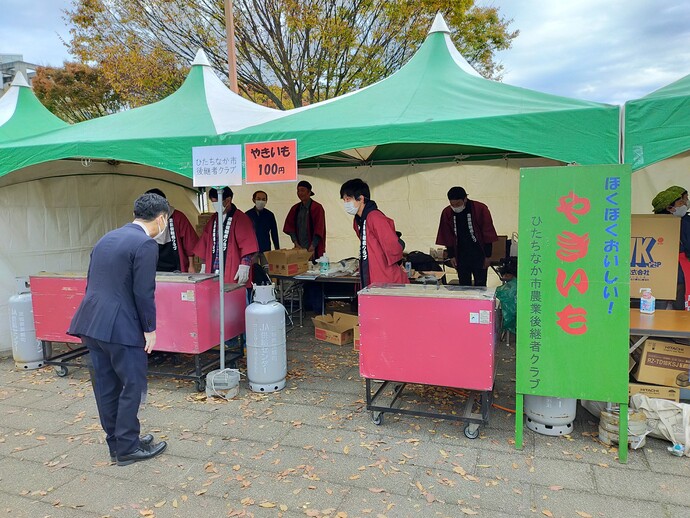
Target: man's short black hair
x: 227, y: 193
x: 149, y: 206
x: 457, y: 193
x: 257, y: 192
x: 355, y: 188
x: 156, y: 191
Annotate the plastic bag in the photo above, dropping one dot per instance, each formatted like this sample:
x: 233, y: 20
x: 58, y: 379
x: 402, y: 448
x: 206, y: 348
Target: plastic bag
x: 665, y: 419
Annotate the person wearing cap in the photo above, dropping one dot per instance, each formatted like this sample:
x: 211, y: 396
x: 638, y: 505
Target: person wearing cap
x: 306, y: 222
x: 674, y: 201
x: 380, y: 251
x: 467, y: 231
x: 239, y: 243
x: 176, y: 243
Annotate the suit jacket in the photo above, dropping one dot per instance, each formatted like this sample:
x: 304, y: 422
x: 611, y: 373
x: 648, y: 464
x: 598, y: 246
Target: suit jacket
x: 119, y: 304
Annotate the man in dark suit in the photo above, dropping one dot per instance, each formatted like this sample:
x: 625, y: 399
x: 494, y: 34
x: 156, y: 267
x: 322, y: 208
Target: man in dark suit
x: 117, y: 323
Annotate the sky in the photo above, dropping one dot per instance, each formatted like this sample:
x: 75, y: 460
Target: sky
x: 606, y: 51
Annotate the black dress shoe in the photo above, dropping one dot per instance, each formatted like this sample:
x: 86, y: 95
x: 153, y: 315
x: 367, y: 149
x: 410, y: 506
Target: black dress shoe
x: 145, y: 441
x: 140, y: 454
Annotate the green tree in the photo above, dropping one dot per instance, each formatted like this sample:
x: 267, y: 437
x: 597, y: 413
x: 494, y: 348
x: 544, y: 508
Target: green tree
x: 75, y: 92
x: 289, y: 52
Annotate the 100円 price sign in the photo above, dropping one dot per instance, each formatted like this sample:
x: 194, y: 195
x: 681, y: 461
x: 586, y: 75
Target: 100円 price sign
x: 271, y: 161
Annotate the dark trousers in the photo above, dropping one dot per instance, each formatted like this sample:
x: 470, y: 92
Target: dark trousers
x: 313, y: 297
x: 466, y: 271
x: 119, y: 380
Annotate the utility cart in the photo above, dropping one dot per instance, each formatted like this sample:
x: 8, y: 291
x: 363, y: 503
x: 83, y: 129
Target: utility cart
x: 187, y: 309
x: 436, y: 335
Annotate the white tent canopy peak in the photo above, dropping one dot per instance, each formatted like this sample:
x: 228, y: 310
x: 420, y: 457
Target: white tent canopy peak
x: 20, y: 80
x: 201, y: 59
x: 439, y: 25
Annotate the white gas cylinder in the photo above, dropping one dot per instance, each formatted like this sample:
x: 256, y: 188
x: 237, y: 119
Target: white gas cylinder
x: 27, y: 350
x: 266, y: 344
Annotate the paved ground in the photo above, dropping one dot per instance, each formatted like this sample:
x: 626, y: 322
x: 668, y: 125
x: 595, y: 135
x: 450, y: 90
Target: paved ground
x: 313, y: 450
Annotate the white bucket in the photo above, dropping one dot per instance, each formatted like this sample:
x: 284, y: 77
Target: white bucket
x: 223, y: 383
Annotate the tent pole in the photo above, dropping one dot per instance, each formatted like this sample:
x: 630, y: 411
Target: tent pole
x: 230, y: 31
x: 221, y: 279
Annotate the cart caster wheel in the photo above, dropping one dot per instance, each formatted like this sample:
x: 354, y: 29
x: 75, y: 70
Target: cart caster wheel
x: 377, y: 418
x: 61, y: 371
x: 200, y: 385
x: 472, y: 431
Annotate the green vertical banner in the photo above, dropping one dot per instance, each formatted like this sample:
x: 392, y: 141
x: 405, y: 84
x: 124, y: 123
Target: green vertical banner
x: 573, y: 284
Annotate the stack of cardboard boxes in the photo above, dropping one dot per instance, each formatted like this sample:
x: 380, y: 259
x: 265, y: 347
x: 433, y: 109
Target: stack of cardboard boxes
x: 664, y: 366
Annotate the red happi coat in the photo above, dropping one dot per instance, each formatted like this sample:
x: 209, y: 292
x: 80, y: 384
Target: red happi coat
x: 316, y: 225
x: 185, y: 237
x: 383, y: 249
x: 482, y: 224
x: 241, y: 242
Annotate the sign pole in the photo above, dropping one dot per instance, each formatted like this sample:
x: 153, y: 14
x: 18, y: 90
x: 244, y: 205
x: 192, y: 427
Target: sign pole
x: 221, y: 278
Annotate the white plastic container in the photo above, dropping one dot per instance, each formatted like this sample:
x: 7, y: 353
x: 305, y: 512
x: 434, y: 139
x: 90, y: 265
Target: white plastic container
x: 266, y: 343
x: 325, y: 264
x: 647, y: 301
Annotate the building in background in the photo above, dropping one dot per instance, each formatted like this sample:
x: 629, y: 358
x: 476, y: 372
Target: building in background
x: 10, y: 64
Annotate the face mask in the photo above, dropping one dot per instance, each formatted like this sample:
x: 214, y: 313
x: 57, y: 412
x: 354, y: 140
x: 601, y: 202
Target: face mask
x: 680, y: 211
x: 160, y: 231
x: 351, y: 208
x: 260, y: 204
x: 458, y: 209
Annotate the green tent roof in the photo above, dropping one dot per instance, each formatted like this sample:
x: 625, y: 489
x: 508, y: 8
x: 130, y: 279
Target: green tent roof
x: 22, y: 114
x: 437, y: 106
x: 657, y: 126
x: 160, y: 134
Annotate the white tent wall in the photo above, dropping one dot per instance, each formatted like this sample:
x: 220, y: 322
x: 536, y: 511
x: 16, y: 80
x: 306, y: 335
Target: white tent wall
x: 412, y: 195
x: 51, y: 224
x: 648, y: 182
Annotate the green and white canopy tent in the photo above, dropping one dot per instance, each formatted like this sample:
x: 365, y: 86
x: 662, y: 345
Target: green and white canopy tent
x: 657, y: 126
x: 656, y: 141
x: 61, y: 191
x: 437, y: 107
x: 160, y: 135
x: 22, y: 114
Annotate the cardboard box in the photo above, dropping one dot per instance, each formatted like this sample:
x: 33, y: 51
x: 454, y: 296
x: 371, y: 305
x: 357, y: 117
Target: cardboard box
x: 663, y: 363
x: 337, y: 328
x: 438, y: 252
x: 654, y: 254
x: 499, y: 249
x: 655, y: 391
x: 204, y: 218
x: 288, y: 261
x: 355, y: 339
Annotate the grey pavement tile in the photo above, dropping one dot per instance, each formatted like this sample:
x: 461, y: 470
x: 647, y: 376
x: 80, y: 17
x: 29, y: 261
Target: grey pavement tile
x: 231, y: 427
x: 23, y: 507
x: 33, y: 479
x: 98, y: 493
x: 535, y: 470
x: 661, y: 461
x: 675, y: 511
x: 25, y: 419
x: 585, y: 449
x: 649, y: 486
x: 21, y: 396
x: 494, y: 439
x: 39, y: 448
x: 565, y: 502
x: 478, y: 490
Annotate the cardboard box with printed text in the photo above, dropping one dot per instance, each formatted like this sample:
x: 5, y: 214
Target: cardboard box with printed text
x: 662, y: 363
x: 285, y: 261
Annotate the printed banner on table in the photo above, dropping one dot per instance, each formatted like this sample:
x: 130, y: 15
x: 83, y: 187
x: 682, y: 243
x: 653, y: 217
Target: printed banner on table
x: 574, y: 282
x: 215, y: 166
x: 271, y: 161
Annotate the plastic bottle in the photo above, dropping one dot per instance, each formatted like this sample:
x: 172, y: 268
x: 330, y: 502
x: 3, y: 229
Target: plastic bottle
x: 647, y: 301
x: 325, y: 264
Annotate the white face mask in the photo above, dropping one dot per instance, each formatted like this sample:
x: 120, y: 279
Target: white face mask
x: 160, y: 231
x: 260, y: 204
x: 351, y: 208
x: 680, y: 211
x: 458, y: 209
